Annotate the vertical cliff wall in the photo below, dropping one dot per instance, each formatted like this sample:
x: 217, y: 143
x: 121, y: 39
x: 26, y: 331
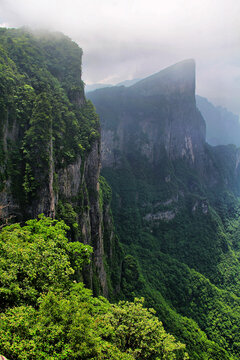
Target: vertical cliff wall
x: 50, y: 141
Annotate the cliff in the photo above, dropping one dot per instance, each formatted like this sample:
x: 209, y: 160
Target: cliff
x: 161, y: 109
x: 157, y: 118
x: 175, y: 206
x: 50, y: 141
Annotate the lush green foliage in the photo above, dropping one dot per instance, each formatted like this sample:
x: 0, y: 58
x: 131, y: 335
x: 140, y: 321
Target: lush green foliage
x: 160, y: 249
x: 37, y: 258
x: 47, y: 315
x: 44, y: 118
x: 49, y: 136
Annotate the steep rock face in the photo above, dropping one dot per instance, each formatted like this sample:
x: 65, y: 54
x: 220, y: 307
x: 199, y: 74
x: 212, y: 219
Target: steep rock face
x: 175, y: 205
x: 50, y: 141
x: 157, y: 118
x: 156, y: 114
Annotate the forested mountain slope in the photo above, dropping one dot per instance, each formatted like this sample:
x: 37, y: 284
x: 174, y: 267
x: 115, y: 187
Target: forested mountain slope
x: 50, y: 144
x: 46, y: 315
x: 175, y: 206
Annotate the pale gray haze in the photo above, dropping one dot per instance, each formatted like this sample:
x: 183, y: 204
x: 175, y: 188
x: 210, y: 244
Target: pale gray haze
x: 126, y: 39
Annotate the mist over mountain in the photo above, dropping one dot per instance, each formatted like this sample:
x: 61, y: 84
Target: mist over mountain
x: 93, y: 87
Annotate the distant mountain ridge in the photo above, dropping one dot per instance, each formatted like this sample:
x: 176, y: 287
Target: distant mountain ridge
x: 223, y: 127
x: 93, y: 87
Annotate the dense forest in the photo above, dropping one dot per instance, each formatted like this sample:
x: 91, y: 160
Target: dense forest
x: 156, y: 277
x: 46, y: 314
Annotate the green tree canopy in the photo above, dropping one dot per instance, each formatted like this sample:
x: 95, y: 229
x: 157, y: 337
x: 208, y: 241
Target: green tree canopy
x: 46, y: 314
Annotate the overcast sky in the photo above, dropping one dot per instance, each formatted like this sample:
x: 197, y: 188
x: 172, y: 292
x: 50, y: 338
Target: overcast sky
x: 125, y: 39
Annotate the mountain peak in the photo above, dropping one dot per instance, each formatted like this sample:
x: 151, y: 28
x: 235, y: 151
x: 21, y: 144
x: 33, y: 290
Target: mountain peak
x: 178, y: 78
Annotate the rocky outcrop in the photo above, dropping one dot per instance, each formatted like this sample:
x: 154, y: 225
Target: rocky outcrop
x: 160, y: 215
